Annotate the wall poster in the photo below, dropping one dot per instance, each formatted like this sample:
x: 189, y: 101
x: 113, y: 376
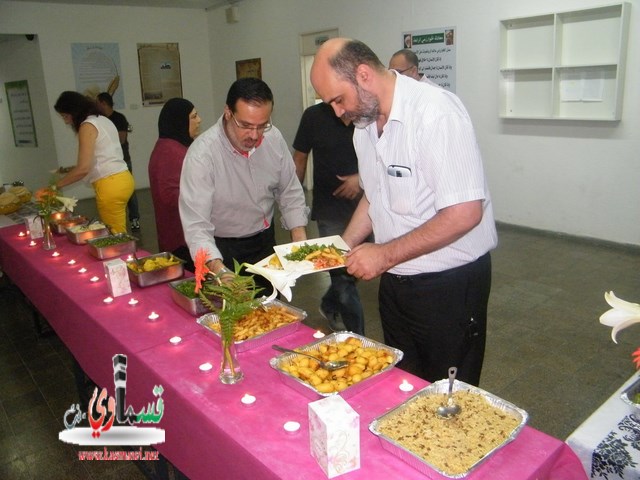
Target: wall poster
x: 160, y: 74
x: 249, y: 68
x: 96, y: 67
x: 436, y: 51
x: 24, y: 129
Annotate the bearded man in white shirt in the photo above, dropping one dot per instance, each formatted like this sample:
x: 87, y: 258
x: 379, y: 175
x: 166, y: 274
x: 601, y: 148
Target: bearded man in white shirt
x: 427, y: 203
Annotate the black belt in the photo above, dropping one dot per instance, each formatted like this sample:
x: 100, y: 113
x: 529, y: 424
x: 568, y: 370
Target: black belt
x: 442, y: 273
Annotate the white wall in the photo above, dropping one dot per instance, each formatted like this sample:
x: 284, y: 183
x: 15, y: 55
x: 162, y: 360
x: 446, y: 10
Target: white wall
x: 59, y: 25
x: 579, y: 178
x: 20, y: 60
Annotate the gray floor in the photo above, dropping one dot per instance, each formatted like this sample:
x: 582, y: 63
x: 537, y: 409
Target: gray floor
x: 546, y: 350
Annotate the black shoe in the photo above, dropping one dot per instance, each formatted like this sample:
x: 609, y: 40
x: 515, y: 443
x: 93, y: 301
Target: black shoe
x: 135, y: 224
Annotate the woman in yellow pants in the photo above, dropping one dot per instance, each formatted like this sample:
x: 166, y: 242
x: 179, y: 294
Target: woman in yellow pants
x: 100, y: 159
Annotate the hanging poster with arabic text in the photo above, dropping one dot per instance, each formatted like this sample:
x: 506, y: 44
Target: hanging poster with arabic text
x: 24, y: 130
x: 436, y: 51
x: 160, y: 76
x: 96, y: 67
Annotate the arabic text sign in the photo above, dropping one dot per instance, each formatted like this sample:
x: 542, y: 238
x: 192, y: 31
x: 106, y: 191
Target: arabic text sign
x: 24, y: 130
x: 436, y: 51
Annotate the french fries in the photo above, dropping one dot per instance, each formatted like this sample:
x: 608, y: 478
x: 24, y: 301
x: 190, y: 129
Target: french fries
x: 322, y: 256
x: 363, y: 363
x: 259, y: 321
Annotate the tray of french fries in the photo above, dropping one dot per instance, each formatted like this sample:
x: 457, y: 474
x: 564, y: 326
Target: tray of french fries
x: 272, y: 320
x: 369, y: 361
x: 310, y: 256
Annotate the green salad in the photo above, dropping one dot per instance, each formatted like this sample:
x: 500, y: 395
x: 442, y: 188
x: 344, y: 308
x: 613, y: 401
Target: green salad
x: 109, y: 241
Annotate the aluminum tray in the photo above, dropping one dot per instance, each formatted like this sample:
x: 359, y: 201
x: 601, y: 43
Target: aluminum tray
x: 60, y: 226
x: 128, y: 245
x: 630, y: 392
x: 442, y: 387
x: 80, y: 238
x: 265, y: 338
x: 159, y: 275
x: 192, y: 305
x: 307, y: 390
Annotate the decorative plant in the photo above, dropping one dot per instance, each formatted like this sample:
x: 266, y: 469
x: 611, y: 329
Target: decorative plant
x: 237, y: 293
x: 621, y: 315
x: 49, y: 201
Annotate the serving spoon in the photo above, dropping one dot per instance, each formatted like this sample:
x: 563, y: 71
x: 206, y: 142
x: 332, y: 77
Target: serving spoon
x: 449, y: 409
x: 330, y: 365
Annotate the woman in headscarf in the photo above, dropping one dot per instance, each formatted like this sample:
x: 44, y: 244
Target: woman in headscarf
x: 178, y: 125
x: 100, y: 159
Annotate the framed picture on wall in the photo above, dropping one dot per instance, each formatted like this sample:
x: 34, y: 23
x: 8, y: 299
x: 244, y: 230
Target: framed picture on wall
x: 249, y: 68
x: 160, y: 74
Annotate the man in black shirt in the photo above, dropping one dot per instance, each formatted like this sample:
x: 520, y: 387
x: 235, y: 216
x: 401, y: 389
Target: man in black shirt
x: 105, y: 105
x: 336, y: 191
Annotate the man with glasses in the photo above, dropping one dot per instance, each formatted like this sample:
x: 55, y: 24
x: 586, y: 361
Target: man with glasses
x: 405, y: 62
x: 233, y: 176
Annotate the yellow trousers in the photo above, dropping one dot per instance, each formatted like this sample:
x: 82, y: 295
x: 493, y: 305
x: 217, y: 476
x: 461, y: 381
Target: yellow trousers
x: 112, y: 194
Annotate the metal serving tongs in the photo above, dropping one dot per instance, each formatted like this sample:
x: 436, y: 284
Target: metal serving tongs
x: 329, y: 365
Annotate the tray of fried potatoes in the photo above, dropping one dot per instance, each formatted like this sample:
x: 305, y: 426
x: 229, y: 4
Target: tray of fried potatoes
x: 270, y: 321
x: 369, y: 361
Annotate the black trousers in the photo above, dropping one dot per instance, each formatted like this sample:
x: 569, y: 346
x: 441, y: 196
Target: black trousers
x: 439, y: 320
x: 251, y: 250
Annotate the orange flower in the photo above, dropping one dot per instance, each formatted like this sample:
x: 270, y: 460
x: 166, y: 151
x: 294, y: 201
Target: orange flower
x: 636, y: 358
x: 200, y: 262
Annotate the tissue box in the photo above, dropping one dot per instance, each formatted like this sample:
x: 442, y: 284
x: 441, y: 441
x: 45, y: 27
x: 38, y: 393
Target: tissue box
x: 334, y: 430
x: 33, y: 223
x: 117, y: 277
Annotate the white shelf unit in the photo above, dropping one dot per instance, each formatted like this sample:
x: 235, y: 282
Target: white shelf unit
x: 565, y: 65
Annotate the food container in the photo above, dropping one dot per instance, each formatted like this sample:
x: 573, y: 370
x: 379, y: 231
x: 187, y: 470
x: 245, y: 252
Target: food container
x: 266, y: 338
x: 309, y: 391
x: 630, y: 393
x: 442, y: 387
x: 112, y: 246
x: 81, y: 234
x: 192, y: 305
x: 158, y: 275
x: 59, y: 226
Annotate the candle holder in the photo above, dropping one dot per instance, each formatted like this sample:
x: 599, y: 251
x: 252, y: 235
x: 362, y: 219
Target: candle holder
x: 405, y: 386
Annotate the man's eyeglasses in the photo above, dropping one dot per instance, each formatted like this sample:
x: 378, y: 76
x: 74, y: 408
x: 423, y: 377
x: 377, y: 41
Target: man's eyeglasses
x: 404, y: 70
x: 260, y: 129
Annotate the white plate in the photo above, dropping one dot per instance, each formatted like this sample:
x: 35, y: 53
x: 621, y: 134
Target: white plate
x: 264, y: 263
x: 306, y: 266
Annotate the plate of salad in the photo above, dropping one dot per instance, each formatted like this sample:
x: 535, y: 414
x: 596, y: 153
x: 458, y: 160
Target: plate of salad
x: 313, y: 255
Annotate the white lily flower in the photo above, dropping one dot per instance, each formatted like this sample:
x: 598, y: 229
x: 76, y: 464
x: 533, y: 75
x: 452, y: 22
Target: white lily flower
x: 621, y: 315
x: 68, y: 203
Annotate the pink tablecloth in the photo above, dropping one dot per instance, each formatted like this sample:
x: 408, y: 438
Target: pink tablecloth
x: 209, y: 433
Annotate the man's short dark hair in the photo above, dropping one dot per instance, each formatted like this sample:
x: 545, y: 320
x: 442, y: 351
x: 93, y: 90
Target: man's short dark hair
x: 352, y: 54
x: 251, y: 90
x: 106, y: 98
x: 409, y: 55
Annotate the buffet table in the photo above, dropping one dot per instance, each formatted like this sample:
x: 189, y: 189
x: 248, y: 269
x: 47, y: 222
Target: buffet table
x: 209, y: 431
x: 608, y: 442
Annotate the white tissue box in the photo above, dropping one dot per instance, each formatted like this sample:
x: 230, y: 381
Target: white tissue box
x: 334, y: 431
x: 117, y: 277
x: 33, y: 223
